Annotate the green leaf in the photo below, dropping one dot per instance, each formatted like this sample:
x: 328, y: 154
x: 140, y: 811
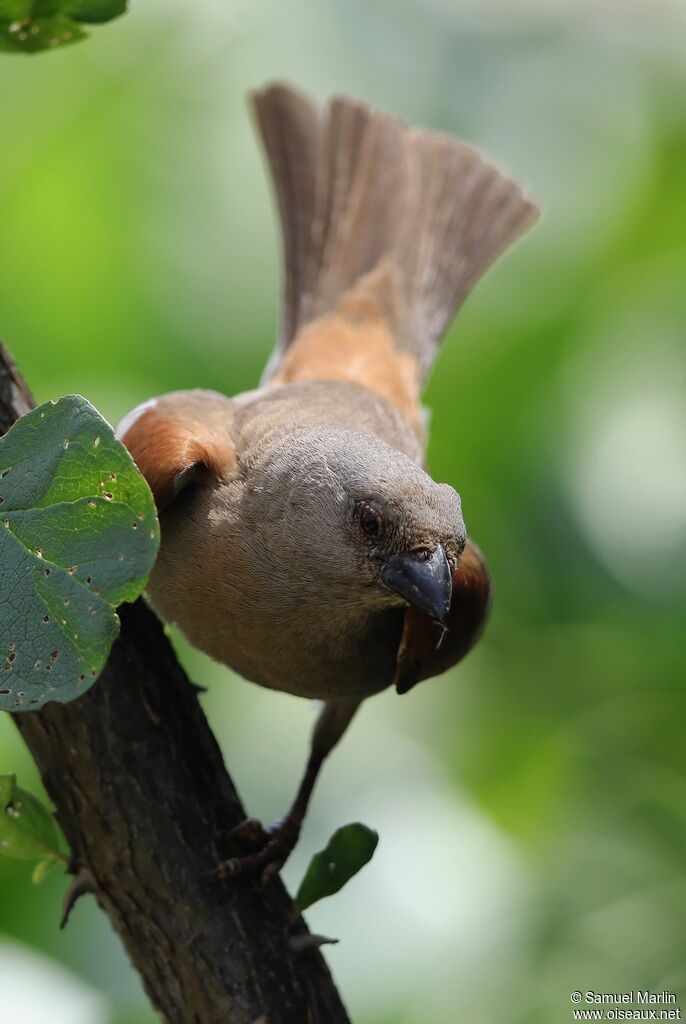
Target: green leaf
x: 12, y: 9
x: 27, y: 829
x: 43, y: 869
x: 8, y: 784
x: 28, y: 26
x: 78, y: 535
x: 95, y: 11
x: 30, y: 35
x: 348, y: 850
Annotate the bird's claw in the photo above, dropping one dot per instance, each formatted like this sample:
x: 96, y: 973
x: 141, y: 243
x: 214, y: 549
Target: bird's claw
x: 276, y: 844
x: 251, y: 831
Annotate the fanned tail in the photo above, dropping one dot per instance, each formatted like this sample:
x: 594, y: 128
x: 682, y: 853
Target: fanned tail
x: 407, y: 217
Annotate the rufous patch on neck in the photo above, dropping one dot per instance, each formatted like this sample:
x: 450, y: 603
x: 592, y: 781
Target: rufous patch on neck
x: 355, y: 344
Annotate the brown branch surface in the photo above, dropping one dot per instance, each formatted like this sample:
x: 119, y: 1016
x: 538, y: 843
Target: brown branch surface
x: 145, y: 802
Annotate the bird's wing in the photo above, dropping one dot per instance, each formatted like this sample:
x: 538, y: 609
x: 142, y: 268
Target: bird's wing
x: 181, y: 438
x: 426, y: 649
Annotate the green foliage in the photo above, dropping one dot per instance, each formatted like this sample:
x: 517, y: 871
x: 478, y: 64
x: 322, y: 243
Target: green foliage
x: 95, y: 11
x: 346, y: 853
x: 78, y: 536
x: 27, y: 829
x: 29, y: 26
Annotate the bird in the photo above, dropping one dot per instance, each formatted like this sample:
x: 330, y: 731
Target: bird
x: 304, y: 543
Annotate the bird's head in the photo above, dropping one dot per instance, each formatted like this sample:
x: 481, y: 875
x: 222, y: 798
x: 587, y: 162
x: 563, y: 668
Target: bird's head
x: 336, y: 513
x: 364, y: 518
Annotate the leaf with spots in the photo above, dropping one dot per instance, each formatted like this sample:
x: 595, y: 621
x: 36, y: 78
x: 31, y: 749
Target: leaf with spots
x: 346, y: 853
x: 78, y: 536
x: 29, y: 26
x: 27, y: 828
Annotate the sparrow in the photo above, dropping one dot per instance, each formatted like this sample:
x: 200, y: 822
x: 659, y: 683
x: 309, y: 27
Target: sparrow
x: 303, y: 542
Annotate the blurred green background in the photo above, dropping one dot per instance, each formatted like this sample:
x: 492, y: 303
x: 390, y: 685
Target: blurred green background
x: 530, y: 804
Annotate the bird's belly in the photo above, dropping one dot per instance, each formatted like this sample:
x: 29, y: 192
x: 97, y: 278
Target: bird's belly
x: 313, y: 670
x: 316, y: 674
x: 298, y: 654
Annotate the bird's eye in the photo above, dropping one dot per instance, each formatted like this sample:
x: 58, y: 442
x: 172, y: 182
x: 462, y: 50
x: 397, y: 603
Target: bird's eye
x: 370, y: 521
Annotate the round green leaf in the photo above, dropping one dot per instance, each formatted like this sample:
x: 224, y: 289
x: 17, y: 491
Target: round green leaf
x: 78, y: 535
x: 27, y: 829
x: 33, y: 34
x: 29, y: 26
x: 348, y: 850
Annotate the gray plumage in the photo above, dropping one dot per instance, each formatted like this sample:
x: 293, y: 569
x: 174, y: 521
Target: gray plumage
x: 303, y: 542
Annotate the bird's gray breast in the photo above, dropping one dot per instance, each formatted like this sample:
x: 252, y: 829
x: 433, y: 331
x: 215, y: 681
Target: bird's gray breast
x: 358, y: 662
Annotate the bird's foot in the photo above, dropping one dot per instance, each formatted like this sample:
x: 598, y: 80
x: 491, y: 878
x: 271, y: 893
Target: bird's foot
x: 250, y: 831
x: 273, y: 848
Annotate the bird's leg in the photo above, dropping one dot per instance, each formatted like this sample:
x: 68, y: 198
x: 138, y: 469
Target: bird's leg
x: 278, y: 840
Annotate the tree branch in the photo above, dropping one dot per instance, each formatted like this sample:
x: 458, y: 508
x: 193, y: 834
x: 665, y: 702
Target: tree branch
x: 145, y: 802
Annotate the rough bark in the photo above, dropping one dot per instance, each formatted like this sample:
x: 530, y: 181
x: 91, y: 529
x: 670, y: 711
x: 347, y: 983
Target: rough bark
x: 145, y: 803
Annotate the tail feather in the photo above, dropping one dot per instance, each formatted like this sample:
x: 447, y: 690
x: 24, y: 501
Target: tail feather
x: 464, y: 213
x: 410, y: 216
x: 354, y: 225
x: 290, y: 127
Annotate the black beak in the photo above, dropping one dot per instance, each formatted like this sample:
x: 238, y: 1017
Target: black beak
x: 427, y: 584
